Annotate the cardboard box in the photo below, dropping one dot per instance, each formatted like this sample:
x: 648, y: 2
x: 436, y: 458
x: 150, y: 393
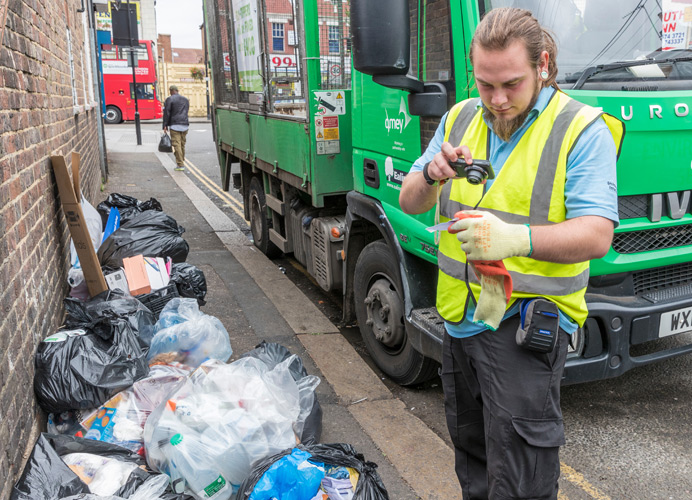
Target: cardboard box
x: 117, y: 281
x: 136, y: 274
x: 71, y: 197
x: 156, y: 272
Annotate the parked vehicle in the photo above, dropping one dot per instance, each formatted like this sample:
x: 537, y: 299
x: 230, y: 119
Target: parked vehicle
x: 323, y: 149
x: 119, y: 89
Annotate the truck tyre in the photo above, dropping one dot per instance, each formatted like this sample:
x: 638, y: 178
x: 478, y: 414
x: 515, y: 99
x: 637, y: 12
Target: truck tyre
x: 259, y: 223
x: 380, y: 312
x: 113, y: 115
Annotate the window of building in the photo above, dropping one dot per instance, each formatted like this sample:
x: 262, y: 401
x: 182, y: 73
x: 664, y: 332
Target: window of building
x: 334, y: 37
x: 278, y: 37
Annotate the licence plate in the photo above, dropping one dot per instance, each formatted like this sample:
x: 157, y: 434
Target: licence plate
x: 674, y: 322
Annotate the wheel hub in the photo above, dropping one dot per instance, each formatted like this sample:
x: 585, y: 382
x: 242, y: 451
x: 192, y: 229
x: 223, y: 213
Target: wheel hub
x: 385, y: 311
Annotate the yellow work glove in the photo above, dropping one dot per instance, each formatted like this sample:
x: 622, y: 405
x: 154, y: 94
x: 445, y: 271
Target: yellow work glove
x: 485, y: 237
x: 492, y: 301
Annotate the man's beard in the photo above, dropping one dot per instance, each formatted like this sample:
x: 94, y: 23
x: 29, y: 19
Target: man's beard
x: 505, y: 128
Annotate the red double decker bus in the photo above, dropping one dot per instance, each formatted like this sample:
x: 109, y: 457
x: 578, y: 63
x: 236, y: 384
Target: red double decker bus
x: 119, y: 91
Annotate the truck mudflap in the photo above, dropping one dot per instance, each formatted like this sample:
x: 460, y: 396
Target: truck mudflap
x: 621, y: 334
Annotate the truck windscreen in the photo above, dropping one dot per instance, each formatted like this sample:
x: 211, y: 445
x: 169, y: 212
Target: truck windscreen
x: 598, y: 41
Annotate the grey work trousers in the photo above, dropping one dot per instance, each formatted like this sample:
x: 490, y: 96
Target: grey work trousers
x: 502, y: 404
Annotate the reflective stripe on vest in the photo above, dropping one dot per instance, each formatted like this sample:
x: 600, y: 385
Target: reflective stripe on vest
x: 528, y: 189
x: 529, y: 283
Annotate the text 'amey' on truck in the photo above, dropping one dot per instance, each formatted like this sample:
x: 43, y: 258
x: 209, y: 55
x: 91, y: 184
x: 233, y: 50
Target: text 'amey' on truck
x: 323, y: 148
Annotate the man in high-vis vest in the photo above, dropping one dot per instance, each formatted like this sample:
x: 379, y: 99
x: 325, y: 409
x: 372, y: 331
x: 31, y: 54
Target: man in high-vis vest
x: 550, y: 209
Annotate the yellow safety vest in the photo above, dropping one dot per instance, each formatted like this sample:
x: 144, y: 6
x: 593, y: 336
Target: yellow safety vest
x: 529, y: 189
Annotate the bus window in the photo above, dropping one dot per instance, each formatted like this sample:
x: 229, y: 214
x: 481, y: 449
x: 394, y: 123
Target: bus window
x: 108, y: 51
x: 144, y: 91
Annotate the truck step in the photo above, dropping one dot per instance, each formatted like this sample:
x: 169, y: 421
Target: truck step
x: 275, y: 204
x: 427, y: 319
x: 282, y: 243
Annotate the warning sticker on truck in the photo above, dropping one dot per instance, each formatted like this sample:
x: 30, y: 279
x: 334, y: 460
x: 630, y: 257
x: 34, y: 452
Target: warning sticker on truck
x: 330, y: 103
x: 328, y: 148
x: 327, y: 134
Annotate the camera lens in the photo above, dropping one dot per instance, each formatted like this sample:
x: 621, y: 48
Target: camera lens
x: 475, y: 175
x: 473, y: 178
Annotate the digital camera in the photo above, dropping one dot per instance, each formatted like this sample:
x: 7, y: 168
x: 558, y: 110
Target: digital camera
x: 476, y: 173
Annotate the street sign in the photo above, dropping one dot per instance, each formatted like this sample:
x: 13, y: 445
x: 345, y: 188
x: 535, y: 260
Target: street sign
x: 122, y: 34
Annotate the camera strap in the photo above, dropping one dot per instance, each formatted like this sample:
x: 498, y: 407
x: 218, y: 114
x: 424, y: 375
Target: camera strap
x: 466, y: 266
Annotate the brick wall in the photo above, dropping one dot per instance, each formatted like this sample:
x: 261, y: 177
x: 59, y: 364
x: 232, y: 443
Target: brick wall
x: 46, y: 107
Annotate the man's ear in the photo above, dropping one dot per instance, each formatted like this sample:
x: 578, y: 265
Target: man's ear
x: 544, y: 61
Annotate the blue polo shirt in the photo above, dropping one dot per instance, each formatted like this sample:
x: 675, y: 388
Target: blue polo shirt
x: 590, y: 185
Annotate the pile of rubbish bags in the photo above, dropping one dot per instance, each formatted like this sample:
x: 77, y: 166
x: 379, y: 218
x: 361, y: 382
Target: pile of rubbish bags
x: 146, y: 406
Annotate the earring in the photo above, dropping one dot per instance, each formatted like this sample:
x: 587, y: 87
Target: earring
x: 544, y: 75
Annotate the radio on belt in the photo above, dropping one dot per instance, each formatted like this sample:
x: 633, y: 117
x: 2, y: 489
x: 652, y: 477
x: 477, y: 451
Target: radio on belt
x: 539, y: 325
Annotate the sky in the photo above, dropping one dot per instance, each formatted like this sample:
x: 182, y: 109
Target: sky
x: 180, y: 19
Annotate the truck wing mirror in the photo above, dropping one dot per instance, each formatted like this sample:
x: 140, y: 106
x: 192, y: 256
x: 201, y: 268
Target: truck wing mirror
x: 432, y: 101
x: 380, y: 36
x: 381, y: 43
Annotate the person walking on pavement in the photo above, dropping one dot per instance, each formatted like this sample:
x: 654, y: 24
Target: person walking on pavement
x: 175, y: 111
x: 551, y: 208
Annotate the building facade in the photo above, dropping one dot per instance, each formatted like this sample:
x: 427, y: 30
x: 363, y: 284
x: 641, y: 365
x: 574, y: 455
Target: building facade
x: 48, y: 105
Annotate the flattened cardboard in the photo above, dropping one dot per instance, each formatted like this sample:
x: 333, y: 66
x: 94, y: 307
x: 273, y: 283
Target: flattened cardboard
x: 70, y: 197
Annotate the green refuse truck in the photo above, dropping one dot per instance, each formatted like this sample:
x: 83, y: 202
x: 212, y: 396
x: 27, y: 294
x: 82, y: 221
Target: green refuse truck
x: 325, y: 104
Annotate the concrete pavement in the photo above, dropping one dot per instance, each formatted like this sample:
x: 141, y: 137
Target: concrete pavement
x: 256, y: 301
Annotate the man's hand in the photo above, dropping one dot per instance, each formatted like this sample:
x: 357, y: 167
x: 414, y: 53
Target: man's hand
x: 485, y: 237
x: 417, y: 196
x: 165, y: 129
x: 439, y: 168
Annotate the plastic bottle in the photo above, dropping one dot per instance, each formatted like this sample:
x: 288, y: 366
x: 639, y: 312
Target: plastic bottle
x: 189, y: 459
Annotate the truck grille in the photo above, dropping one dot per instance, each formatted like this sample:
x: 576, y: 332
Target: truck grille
x: 653, y: 239
x: 631, y: 207
x: 652, y: 280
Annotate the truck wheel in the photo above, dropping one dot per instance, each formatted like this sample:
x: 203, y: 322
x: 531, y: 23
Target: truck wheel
x: 113, y: 115
x: 380, y: 311
x: 259, y: 224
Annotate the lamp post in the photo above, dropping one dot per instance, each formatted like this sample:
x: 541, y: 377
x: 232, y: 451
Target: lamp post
x: 134, y: 76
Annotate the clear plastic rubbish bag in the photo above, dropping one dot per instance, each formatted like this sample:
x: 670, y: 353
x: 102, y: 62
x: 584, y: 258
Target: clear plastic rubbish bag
x: 194, y: 336
x: 310, y: 420
x: 121, y: 419
x: 232, y: 415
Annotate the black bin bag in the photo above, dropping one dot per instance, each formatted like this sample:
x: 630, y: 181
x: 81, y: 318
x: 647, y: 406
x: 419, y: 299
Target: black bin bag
x: 128, y: 206
x: 47, y: 477
x: 190, y: 281
x: 165, y: 145
x: 78, y: 369
x: 369, y: 486
x: 98, y: 313
x: 271, y: 354
x: 151, y: 233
